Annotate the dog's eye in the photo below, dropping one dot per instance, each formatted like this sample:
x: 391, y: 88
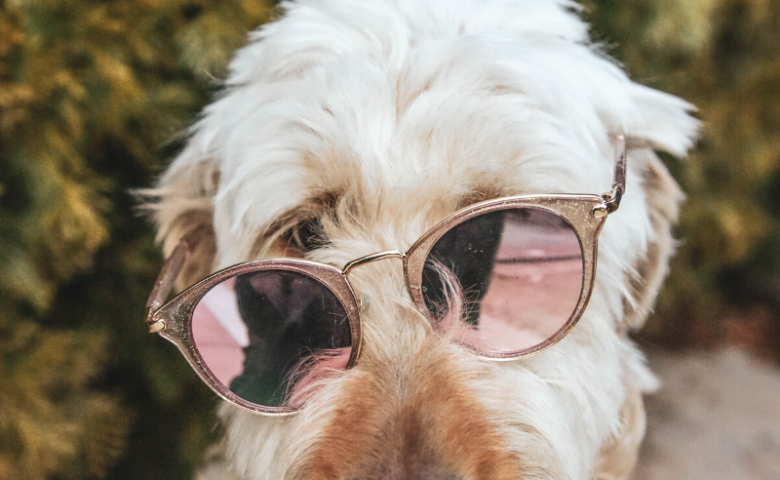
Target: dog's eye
x: 308, y: 235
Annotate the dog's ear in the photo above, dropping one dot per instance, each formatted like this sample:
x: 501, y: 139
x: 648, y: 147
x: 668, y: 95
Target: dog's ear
x: 663, y: 197
x: 181, y: 202
x: 660, y: 122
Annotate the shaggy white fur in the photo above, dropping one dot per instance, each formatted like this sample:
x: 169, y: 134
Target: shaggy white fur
x: 382, y: 117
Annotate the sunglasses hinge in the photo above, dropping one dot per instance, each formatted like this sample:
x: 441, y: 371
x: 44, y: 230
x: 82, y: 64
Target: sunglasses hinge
x: 155, y: 326
x: 611, y: 202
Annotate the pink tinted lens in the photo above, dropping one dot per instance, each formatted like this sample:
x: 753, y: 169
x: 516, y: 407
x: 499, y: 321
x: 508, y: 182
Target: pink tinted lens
x: 518, y: 274
x: 268, y: 335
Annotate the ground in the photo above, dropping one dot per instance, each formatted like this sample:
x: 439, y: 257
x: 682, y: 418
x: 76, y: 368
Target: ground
x: 717, y: 417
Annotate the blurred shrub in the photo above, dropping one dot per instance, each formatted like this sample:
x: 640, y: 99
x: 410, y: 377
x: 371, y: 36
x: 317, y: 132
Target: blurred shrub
x: 90, y: 94
x: 93, y: 92
x: 724, y: 57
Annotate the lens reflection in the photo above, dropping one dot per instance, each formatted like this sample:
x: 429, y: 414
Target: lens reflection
x: 268, y: 335
x: 518, y: 273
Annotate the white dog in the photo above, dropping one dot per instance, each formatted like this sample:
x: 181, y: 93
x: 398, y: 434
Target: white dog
x: 379, y: 118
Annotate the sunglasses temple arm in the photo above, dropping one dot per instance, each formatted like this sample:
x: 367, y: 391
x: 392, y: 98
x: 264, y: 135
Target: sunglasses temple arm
x: 614, y: 196
x: 163, y: 286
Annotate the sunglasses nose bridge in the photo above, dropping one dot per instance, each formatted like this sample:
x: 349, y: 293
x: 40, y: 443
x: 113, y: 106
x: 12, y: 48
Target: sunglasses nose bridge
x: 374, y: 257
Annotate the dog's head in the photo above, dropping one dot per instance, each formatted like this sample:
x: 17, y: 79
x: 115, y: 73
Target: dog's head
x: 352, y: 127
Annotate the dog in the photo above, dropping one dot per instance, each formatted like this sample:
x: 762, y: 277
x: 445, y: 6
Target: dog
x: 350, y: 127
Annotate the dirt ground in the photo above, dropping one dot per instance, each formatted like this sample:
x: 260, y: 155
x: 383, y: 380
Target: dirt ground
x: 717, y: 417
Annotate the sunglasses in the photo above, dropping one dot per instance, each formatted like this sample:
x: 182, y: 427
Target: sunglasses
x: 506, y: 278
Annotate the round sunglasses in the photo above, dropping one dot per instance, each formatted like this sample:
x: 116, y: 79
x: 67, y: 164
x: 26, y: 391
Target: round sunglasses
x: 506, y: 278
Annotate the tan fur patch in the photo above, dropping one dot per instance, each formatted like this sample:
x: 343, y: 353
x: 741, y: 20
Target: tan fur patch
x: 429, y: 425
x: 663, y: 201
x: 619, y: 454
x: 468, y: 442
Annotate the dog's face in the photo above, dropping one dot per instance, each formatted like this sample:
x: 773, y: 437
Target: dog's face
x: 349, y: 128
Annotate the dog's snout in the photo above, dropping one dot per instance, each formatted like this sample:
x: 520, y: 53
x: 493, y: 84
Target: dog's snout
x: 413, y: 419
x: 422, y: 475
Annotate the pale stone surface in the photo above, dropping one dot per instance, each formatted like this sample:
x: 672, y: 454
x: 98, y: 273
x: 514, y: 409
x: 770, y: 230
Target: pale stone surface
x: 717, y: 417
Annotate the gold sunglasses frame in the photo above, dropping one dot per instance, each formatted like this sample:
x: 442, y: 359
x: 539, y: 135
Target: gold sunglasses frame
x: 585, y: 213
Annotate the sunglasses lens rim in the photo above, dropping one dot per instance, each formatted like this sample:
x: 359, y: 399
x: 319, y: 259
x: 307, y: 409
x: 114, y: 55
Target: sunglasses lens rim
x: 575, y: 210
x: 329, y: 277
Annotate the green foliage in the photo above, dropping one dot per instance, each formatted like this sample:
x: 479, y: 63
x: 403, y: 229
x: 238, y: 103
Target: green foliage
x: 91, y: 94
x: 724, y: 57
